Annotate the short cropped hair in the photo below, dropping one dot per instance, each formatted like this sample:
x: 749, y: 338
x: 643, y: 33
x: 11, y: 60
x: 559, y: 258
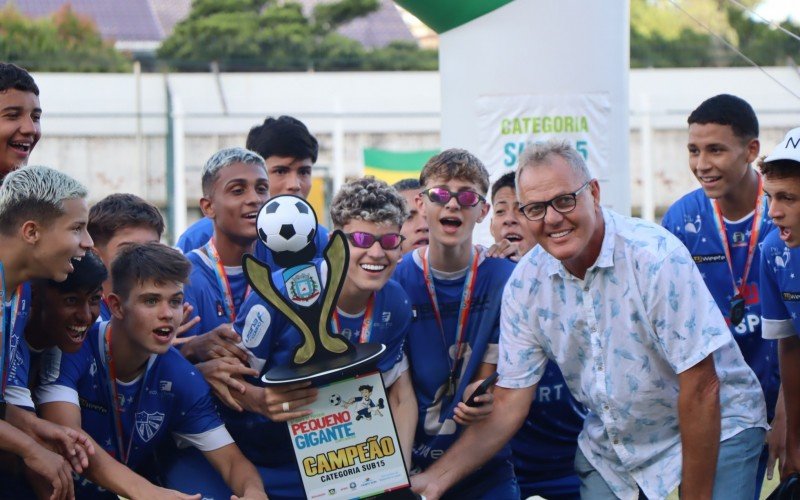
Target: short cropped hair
x: 370, y: 200
x: 224, y: 158
x: 119, y: 211
x: 35, y: 193
x: 88, y: 274
x: 407, y: 185
x: 726, y: 109
x: 283, y: 136
x: 14, y: 77
x: 138, y: 263
x: 505, y: 180
x: 779, y: 169
x: 456, y: 164
x: 542, y: 153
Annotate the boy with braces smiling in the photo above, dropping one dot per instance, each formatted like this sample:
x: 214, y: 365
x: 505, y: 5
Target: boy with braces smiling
x: 454, y: 289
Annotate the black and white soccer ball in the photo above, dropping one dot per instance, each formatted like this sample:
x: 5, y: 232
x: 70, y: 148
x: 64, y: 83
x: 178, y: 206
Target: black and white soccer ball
x: 335, y: 400
x: 286, y: 223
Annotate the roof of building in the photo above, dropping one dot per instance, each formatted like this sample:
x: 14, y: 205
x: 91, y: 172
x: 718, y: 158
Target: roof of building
x: 153, y: 20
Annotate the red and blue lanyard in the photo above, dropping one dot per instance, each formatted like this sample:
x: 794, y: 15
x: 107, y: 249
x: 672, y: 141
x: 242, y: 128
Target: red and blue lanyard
x: 116, y: 404
x: 738, y: 290
x: 463, y: 311
x: 222, y: 280
x: 366, y: 322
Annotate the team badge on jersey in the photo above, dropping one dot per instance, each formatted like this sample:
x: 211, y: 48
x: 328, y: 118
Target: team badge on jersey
x: 147, y: 424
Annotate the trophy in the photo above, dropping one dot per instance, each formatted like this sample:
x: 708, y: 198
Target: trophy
x: 347, y: 447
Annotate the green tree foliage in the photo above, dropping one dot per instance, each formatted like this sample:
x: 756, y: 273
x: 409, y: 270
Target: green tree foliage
x: 62, y: 42
x: 663, y: 36
x: 272, y: 35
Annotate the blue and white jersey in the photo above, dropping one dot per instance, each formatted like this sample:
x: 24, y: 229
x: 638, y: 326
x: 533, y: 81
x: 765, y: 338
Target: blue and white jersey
x: 544, y: 447
x: 431, y: 351
x: 204, y: 293
x: 18, y: 353
x: 271, y: 341
x: 201, y: 231
x: 169, y: 399
x: 691, y: 219
x: 621, y: 335
x: 780, y: 288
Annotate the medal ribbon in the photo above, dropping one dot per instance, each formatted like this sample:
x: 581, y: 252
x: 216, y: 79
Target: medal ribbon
x: 366, y: 322
x: 222, y: 280
x: 6, y: 331
x: 463, y: 309
x: 111, y: 376
x: 754, y: 233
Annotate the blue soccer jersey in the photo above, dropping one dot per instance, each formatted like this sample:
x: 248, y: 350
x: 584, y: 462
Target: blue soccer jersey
x: 780, y: 288
x: 544, y: 448
x: 17, y: 351
x: 206, y: 294
x: 201, y: 231
x: 431, y: 352
x: 169, y: 399
x: 692, y: 220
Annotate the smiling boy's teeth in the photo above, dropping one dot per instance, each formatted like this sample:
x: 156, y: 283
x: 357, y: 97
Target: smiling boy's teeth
x: 372, y: 267
x: 559, y: 235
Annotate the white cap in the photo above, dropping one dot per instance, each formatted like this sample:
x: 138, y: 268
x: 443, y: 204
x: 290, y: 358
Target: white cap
x: 788, y: 149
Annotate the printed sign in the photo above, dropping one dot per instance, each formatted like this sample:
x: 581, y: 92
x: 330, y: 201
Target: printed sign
x: 347, y: 447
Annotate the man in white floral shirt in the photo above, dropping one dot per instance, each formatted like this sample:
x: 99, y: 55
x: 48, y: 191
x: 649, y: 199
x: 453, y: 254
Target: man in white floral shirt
x: 620, y: 306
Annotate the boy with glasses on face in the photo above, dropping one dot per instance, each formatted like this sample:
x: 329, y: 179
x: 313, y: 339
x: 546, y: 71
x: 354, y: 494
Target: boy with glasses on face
x: 454, y: 291
x: 371, y: 308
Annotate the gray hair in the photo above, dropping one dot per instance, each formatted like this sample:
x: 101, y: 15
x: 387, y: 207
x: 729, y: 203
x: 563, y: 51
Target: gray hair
x: 224, y: 158
x: 370, y: 200
x: 543, y: 152
x: 35, y: 193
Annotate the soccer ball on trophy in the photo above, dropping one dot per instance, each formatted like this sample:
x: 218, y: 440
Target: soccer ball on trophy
x: 286, y: 223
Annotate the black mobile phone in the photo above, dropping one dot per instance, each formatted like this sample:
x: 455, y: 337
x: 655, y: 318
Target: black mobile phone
x: 481, y: 389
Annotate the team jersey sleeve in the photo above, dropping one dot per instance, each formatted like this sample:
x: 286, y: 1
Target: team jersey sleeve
x: 60, y: 374
x: 671, y: 222
x: 199, y: 424
x: 394, y: 362
x: 776, y: 321
x: 521, y: 360
x: 17, y: 392
x: 190, y: 296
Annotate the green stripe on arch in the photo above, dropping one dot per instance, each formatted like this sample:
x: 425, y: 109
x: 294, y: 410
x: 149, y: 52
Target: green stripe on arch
x: 444, y: 15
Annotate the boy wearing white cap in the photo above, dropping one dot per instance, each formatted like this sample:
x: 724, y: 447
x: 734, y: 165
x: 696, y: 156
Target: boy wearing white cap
x: 780, y: 288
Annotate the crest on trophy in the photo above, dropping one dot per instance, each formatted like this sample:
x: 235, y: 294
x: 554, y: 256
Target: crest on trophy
x: 287, y: 225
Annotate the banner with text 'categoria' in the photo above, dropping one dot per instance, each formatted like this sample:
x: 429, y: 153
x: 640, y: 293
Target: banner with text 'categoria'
x: 508, y: 123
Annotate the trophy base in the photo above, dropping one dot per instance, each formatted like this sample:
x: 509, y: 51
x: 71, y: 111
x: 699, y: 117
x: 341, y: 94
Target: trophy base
x: 362, y: 359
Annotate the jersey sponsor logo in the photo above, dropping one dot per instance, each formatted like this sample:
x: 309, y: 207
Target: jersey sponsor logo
x: 89, y: 405
x: 791, y: 296
x: 256, y: 325
x: 739, y: 239
x: 165, y: 385
x: 708, y: 259
x: 51, y: 365
x: 386, y: 316
x: 147, y: 424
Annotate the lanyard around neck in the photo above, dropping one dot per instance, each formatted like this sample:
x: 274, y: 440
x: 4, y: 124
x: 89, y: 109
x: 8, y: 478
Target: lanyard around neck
x: 754, y: 234
x: 116, y: 404
x: 223, y: 282
x: 366, y: 322
x: 463, y: 309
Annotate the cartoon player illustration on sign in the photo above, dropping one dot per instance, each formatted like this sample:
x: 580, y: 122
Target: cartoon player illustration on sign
x: 365, y: 406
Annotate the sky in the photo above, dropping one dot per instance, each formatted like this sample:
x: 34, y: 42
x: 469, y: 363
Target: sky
x: 779, y: 10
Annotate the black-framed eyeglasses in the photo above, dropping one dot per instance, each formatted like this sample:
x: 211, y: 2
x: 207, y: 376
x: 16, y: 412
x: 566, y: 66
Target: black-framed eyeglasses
x: 562, y: 204
x: 442, y: 196
x: 388, y: 241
